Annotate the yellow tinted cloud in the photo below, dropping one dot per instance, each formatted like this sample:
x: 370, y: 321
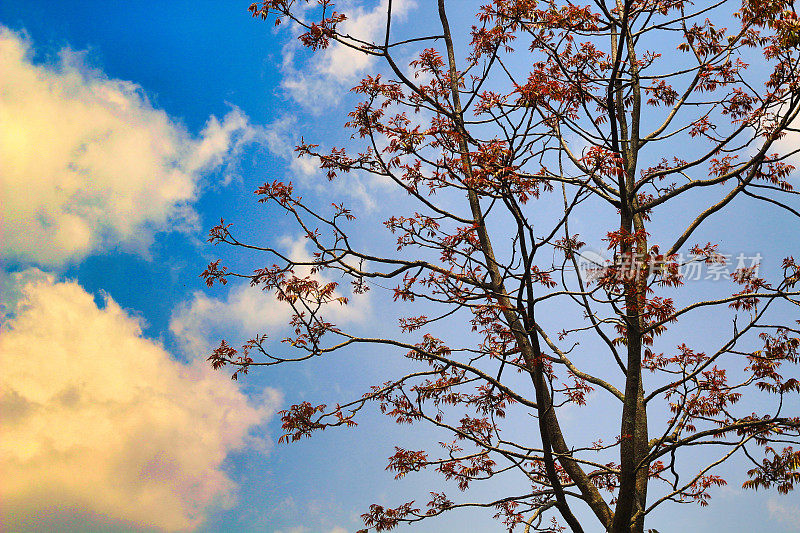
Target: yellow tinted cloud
x: 98, y: 421
x: 87, y: 163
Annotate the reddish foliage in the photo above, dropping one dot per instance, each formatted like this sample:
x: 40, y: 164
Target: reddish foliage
x: 556, y: 122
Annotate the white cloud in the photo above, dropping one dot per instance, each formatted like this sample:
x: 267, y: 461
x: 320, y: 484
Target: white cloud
x: 87, y: 163
x: 343, y: 63
x: 281, y: 136
x: 783, y: 511
x: 101, y: 424
x: 788, y: 144
x: 221, y: 141
x: 319, y: 84
x: 199, y: 323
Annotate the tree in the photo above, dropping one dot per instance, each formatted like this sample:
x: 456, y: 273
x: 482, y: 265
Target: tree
x: 557, y: 115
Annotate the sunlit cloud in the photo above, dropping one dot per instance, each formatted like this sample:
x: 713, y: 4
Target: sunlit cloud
x: 87, y: 163
x: 102, y: 426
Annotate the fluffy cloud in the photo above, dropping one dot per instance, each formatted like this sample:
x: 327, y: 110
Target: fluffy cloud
x: 87, y: 163
x: 790, y: 145
x: 101, y: 425
x: 320, y: 83
x: 203, y: 320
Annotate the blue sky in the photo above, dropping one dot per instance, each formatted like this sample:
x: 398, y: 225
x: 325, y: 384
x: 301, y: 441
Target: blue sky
x: 130, y: 128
